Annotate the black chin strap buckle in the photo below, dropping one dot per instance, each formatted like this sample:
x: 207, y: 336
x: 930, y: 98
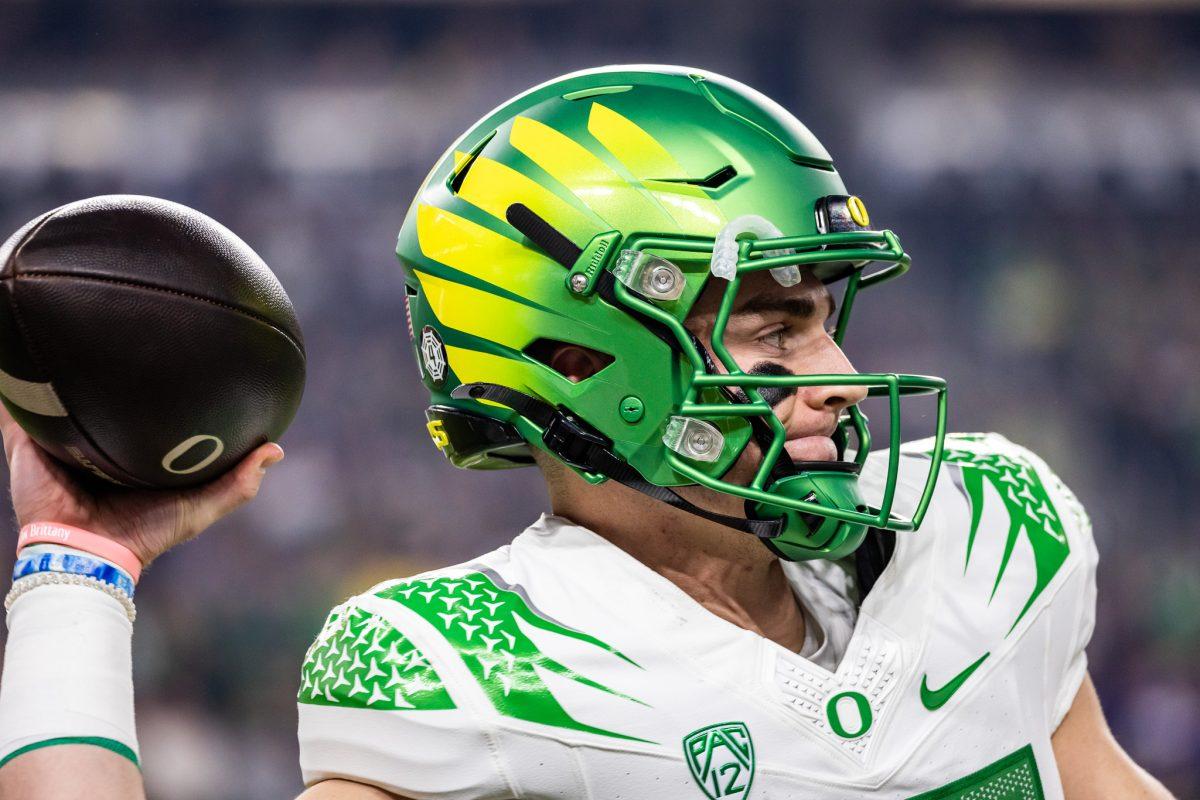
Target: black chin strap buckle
x: 568, y: 438
x: 565, y: 435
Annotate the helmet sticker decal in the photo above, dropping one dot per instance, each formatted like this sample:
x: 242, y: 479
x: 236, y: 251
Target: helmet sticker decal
x: 433, y: 354
x: 858, y: 212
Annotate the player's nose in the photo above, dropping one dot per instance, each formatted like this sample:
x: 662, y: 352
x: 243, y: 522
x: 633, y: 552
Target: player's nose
x: 832, y: 397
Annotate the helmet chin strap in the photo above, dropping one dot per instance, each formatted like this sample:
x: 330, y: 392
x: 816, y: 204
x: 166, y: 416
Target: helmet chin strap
x: 579, y: 445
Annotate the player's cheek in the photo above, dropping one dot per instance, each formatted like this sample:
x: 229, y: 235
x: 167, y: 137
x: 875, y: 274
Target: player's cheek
x: 746, y: 465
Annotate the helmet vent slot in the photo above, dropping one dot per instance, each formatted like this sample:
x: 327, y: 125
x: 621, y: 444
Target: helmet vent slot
x: 459, y: 174
x: 715, y: 180
x: 583, y: 94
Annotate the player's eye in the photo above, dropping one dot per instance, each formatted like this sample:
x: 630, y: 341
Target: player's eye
x: 774, y: 338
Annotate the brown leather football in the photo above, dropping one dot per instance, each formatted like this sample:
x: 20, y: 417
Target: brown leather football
x: 144, y: 342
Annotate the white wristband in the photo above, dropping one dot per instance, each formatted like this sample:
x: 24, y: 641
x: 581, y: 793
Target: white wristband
x: 68, y: 672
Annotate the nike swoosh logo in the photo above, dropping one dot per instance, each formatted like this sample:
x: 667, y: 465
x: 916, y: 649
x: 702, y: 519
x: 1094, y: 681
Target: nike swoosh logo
x: 933, y: 699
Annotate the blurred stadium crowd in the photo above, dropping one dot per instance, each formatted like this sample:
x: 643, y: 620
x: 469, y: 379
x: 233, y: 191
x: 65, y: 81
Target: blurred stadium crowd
x: 1043, y: 167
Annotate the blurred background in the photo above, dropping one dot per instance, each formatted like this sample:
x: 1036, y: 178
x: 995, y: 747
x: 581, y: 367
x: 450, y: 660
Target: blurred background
x: 1039, y: 158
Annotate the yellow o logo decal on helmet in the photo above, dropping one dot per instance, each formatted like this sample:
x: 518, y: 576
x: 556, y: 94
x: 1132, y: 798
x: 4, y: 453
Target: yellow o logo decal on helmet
x: 858, y: 212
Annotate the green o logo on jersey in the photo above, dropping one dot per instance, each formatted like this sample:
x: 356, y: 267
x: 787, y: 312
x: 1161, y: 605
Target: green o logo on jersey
x: 721, y: 758
x: 849, y: 714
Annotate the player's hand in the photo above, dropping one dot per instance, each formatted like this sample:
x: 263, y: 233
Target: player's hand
x: 148, y: 522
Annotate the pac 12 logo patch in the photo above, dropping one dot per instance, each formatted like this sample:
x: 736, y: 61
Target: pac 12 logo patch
x: 433, y: 354
x: 721, y: 758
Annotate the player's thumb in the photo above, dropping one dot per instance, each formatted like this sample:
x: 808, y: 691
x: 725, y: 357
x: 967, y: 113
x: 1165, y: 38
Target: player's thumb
x: 233, y: 489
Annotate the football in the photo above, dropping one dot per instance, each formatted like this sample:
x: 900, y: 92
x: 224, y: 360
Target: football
x: 143, y: 342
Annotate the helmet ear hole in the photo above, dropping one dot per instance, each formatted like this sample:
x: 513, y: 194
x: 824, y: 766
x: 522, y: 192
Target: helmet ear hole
x: 573, y: 361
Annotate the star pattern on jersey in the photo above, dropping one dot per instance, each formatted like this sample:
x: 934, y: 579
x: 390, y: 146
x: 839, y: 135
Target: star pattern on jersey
x: 1026, y: 501
x: 360, y: 660
x: 1014, y: 777
x: 1021, y: 783
x: 482, y: 618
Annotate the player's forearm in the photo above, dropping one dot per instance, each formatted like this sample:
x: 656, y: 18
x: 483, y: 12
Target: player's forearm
x: 335, y: 789
x: 68, y: 772
x: 66, y: 696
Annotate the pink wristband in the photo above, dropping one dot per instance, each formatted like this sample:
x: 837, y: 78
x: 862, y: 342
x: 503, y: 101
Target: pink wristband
x: 68, y: 536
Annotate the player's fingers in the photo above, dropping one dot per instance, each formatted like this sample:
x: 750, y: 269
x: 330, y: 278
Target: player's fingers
x: 238, y: 486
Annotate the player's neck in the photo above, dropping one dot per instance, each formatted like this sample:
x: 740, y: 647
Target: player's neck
x: 727, y: 572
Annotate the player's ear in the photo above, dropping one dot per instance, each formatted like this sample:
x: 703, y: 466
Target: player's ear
x: 577, y: 363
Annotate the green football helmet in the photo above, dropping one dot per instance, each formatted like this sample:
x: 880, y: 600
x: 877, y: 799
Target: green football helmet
x: 593, y: 210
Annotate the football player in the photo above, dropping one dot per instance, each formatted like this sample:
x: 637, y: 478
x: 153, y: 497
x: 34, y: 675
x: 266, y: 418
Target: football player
x: 627, y: 276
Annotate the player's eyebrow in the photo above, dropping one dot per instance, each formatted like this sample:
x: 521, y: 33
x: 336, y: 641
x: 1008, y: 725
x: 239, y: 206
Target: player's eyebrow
x: 802, y: 307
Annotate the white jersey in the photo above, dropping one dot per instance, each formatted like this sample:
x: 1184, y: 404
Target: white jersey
x: 560, y: 667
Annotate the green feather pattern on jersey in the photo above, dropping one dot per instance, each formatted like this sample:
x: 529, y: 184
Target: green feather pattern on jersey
x: 1025, y: 499
x: 483, y: 618
x: 360, y: 661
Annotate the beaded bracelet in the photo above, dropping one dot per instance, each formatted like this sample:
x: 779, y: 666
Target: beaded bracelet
x: 31, y: 582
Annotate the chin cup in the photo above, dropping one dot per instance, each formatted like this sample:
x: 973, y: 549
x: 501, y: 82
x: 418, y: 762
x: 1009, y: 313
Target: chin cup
x: 805, y: 536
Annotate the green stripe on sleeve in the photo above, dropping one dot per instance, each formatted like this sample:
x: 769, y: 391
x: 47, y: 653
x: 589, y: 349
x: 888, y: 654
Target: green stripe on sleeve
x: 99, y: 741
